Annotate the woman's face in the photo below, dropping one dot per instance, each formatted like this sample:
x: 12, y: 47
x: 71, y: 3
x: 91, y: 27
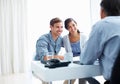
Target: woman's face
x: 72, y: 27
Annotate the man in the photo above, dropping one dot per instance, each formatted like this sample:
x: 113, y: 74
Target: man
x: 50, y: 42
x: 104, y: 39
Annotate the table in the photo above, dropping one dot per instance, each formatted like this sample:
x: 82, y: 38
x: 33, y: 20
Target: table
x: 72, y: 71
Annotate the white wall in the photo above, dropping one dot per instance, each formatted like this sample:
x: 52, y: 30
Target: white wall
x: 95, y: 11
x: 41, y: 11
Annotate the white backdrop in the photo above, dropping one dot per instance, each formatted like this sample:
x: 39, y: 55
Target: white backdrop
x: 40, y: 12
x: 13, y: 36
x: 22, y: 22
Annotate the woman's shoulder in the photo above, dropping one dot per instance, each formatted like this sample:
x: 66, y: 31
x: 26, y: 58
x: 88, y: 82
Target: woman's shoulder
x: 65, y: 36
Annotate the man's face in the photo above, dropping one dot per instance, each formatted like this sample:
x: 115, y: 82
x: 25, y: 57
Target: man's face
x: 57, y: 29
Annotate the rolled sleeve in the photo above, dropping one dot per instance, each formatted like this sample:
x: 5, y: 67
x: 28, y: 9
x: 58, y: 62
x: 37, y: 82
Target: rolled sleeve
x: 41, y: 48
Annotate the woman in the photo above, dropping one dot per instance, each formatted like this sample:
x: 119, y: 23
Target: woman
x: 74, y: 42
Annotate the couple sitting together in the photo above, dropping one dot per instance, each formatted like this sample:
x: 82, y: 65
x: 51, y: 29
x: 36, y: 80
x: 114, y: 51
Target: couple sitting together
x: 103, y: 42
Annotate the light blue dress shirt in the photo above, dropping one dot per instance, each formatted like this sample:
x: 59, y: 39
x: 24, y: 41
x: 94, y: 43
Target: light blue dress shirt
x: 103, y: 44
x: 46, y: 44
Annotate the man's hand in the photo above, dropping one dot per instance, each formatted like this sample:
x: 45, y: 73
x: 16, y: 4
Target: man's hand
x: 59, y: 57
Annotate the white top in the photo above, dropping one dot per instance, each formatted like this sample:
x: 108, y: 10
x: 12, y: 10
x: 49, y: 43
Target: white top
x: 66, y: 42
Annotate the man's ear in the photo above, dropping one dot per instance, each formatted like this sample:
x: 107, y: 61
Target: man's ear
x: 102, y: 13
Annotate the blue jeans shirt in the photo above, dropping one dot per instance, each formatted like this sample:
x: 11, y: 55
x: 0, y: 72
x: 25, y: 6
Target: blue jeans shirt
x: 46, y: 44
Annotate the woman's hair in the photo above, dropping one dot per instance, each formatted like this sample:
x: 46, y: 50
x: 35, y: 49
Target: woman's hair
x: 67, y: 21
x: 111, y: 7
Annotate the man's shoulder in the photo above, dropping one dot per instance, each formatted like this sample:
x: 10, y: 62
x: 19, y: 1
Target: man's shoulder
x: 44, y: 37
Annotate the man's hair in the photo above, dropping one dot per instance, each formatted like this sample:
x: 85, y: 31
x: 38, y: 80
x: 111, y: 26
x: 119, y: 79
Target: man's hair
x: 55, y: 20
x: 111, y: 7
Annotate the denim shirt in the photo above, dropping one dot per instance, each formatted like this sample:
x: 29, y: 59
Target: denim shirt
x: 46, y: 44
